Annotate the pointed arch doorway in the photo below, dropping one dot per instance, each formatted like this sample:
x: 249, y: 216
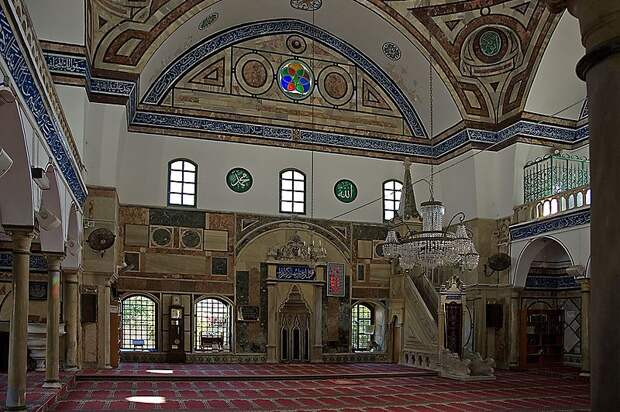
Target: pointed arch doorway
x: 294, y: 329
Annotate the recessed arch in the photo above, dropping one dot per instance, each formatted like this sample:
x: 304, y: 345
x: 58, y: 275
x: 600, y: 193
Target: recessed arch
x: 533, y: 248
x: 17, y: 209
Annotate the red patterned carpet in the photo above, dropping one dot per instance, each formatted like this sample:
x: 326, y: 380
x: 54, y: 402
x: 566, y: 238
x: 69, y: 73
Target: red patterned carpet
x: 38, y: 398
x: 237, y: 371
x: 514, y: 391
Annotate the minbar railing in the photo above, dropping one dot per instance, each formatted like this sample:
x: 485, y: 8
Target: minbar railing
x: 579, y: 197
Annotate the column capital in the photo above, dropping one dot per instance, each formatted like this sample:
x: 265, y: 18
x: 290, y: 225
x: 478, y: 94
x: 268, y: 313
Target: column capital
x: 584, y: 283
x: 21, y: 237
x: 54, y: 260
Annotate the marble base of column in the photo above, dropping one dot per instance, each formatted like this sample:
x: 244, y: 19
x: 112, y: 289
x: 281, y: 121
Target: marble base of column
x: 18, y: 335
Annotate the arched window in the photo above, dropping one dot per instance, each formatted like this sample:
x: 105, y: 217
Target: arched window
x: 182, y: 177
x: 392, y: 189
x: 292, y: 191
x: 138, y: 323
x: 212, y: 320
x: 362, y: 326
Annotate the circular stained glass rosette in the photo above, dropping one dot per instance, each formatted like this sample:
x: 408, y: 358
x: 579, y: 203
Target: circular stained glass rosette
x: 345, y: 191
x: 296, y: 80
x: 239, y: 180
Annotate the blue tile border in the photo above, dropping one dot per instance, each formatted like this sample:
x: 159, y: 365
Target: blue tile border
x: 531, y: 229
x: 38, y: 263
x: 551, y: 282
x: 28, y: 85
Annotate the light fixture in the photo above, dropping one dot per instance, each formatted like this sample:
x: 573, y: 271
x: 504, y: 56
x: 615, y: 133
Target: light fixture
x: 433, y: 246
x: 40, y: 178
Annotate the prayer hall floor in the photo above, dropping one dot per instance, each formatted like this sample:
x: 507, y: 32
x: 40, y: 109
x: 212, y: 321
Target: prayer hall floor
x: 351, y: 387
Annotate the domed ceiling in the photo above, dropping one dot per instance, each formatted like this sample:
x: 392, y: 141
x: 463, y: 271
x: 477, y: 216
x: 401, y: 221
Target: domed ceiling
x: 350, y: 74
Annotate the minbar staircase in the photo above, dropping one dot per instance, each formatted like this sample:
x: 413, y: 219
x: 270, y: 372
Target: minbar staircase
x: 420, y: 323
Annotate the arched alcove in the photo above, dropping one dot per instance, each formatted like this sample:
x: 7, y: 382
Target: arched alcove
x: 18, y: 208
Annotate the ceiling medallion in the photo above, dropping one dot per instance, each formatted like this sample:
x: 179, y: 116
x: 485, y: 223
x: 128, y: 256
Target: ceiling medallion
x: 208, y: 21
x: 239, y: 180
x: 490, y: 43
x: 345, y: 191
x: 307, y: 5
x: 391, y: 51
x: 296, y: 44
x: 296, y: 80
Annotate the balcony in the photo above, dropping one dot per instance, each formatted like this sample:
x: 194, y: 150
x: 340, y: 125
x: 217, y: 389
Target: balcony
x: 552, y: 185
x: 569, y: 200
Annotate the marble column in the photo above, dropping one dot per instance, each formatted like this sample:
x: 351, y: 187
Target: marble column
x: 107, y: 295
x: 52, y: 349
x: 18, y: 335
x: 103, y: 326
x: 513, y: 356
x: 585, y: 326
x: 317, y: 348
x: 441, y: 326
x: 599, y: 22
x: 70, y: 279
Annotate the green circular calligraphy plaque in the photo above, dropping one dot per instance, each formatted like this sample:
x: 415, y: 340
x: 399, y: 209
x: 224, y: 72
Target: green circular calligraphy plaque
x: 345, y: 191
x: 239, y: 180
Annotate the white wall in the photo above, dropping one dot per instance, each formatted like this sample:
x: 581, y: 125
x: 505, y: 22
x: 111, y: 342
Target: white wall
x: 61, y: 21
x: 487, y: 185
x: 556, y: 84
x: 74, y: 101
x: 143, y: 162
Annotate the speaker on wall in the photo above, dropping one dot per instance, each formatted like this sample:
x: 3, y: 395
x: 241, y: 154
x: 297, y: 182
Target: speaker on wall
x: 495, y: 315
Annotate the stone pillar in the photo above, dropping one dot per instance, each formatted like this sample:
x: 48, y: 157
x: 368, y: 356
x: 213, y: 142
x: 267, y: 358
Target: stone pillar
x: 103, y: 326
x: 585, y: 326
x: 513, y: 354
x: 600, y: 34
x: 52, y: 349
x: 441, y: 326
x: 317, y: 348
x: 273, y: 329
x: 18, y: 335
x: 107, y: 295
x: 70, y: 279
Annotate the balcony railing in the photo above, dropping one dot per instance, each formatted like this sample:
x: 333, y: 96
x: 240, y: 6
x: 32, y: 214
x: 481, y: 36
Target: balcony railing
x: 560, y: 202
x: 554, y: 174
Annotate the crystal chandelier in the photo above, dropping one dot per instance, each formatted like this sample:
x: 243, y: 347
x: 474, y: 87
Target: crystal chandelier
x: 433, y: 246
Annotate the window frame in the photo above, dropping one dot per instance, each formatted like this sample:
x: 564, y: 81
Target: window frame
x: 195, y: 194
x: 383, y: 189
x: 155, y: 323
x: 227, y: 343
x: 280, y: 191
x: 355, y: 336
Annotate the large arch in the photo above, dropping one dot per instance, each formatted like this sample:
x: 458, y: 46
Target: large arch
x: 17, y: 209
x: 202, y: 50
x: 532, y: 250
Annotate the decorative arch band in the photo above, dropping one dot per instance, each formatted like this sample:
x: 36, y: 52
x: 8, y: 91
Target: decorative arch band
x: 207, y: 47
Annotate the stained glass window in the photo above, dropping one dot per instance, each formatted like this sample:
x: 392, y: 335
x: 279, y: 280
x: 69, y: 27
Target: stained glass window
x: 296, y: 80
x: 292, y: 191
x: 361, y: 325
x: 182, y: 183
x: 392, y: 190
x: 138, y: 324
x: 212, y: 325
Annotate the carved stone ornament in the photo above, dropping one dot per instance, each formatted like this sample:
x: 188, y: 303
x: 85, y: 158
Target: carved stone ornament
x: 479, y: 366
